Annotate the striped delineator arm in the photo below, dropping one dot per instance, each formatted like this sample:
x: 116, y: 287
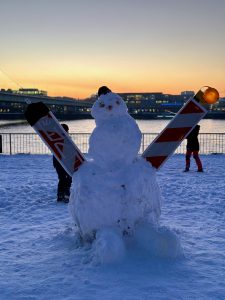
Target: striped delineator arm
x: 164, y: 145
x: 54, y: 136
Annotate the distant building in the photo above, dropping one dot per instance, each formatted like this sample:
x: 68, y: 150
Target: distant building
x: 187, y: 93
x: 153, y: 105
x: 30, y: 92
x: 219, y: 106
x: 14, y: 103
x: 140, y: 105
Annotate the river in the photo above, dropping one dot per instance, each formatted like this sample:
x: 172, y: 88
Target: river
x: 146, y: 126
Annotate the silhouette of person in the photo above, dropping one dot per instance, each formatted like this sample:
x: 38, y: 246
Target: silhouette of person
x: 64, y: 179
x: 193, y: 148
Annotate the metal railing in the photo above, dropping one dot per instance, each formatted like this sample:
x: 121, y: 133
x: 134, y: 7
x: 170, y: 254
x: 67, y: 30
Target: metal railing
x: 17, y: 143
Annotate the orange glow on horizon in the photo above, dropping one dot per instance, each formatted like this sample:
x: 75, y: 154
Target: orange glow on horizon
x: 83, y: 86
x: 83, y: 92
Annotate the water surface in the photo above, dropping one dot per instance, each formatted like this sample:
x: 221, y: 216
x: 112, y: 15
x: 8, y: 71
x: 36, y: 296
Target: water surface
x: 146, y: 126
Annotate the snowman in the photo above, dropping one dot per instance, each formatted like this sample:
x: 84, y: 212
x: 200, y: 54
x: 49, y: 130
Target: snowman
x: 115, y: 190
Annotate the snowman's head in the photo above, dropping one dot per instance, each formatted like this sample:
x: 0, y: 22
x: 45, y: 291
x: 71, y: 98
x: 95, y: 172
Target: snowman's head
x: 108, y: 106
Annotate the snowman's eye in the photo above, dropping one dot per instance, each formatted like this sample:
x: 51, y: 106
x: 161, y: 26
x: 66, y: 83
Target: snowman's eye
x: 101, y: 104
x: 117, y: 102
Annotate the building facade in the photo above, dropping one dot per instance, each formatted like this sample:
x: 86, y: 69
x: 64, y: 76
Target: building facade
x: 13, y: 105
x: 140, y: 105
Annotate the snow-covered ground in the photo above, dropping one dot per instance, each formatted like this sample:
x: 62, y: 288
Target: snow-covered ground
x: 40, y: 257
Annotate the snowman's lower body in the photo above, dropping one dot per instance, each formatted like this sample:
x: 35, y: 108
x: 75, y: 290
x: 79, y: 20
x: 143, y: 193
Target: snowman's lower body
x: 157, y: 241
x: 115, y: 206
x: 119, y: 197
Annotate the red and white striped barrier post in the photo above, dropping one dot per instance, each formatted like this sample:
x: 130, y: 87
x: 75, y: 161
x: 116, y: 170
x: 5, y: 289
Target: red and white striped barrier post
x: 54, y: 136
x: 164, y: 145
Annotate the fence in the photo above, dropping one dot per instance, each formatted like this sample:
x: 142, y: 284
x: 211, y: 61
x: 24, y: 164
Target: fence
x: 15, y: 143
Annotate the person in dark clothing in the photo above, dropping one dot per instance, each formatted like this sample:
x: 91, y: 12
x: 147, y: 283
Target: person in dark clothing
x: 193, y: 147
x: 65, y: 180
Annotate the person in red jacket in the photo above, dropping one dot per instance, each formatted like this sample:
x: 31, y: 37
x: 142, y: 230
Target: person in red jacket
x: 193, y: 148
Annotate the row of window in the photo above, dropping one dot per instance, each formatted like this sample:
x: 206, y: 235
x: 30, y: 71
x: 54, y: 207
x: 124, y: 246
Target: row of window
x: 2, y: 110
x: 19, y: 107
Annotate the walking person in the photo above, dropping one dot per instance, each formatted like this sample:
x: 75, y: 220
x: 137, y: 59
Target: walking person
x: 193, y: 148
x: 65, y: 180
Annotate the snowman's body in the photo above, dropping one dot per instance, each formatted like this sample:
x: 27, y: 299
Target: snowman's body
x: 115, y: 187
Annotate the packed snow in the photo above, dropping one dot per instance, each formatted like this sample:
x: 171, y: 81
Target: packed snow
x: 115, y: 195
x: 43, y: 258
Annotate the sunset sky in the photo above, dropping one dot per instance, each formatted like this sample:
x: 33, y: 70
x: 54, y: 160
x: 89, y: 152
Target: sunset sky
x: 71, y: 47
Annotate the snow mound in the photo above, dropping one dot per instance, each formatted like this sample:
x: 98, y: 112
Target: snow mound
x: 158, y: 241
x: 108, y: 246
x: 118, y: 198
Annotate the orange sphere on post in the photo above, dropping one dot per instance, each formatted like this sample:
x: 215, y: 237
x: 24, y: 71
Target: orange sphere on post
x: 211, y: 95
